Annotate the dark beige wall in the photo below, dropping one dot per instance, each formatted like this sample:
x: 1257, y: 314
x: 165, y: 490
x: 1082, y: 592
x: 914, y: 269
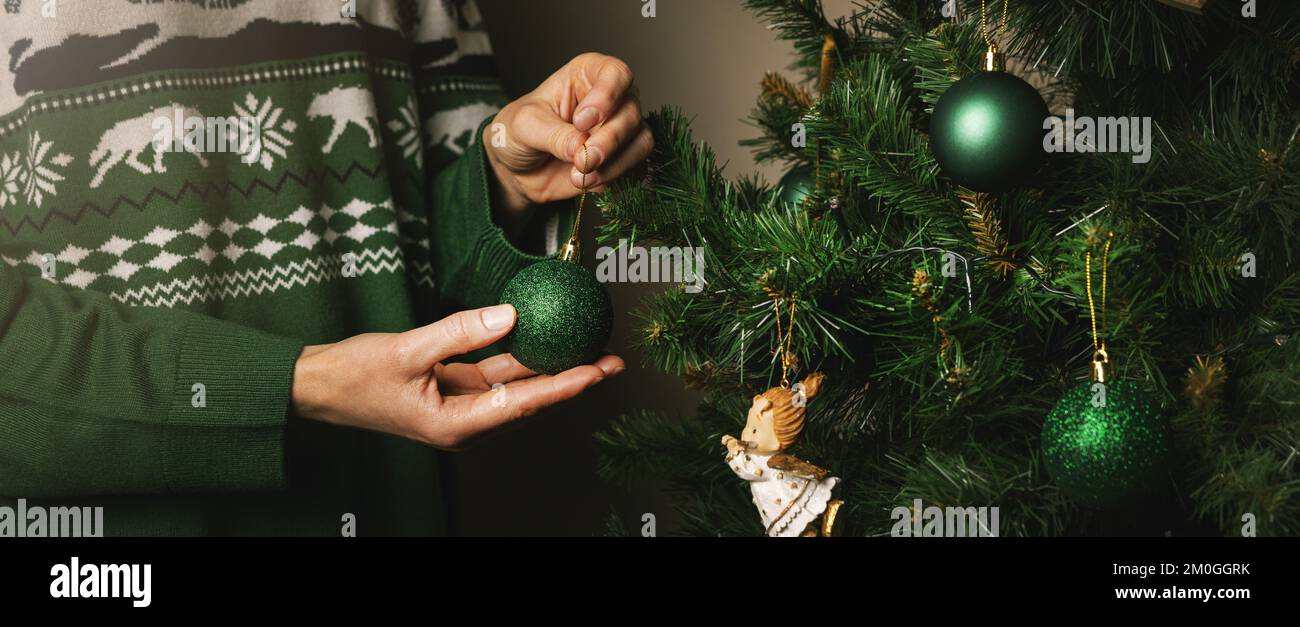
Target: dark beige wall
x: 705, y: 56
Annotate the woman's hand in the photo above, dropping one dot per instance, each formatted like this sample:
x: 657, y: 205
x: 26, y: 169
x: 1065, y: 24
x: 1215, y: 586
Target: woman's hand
x: 539, y: 158
x: 397, y: 384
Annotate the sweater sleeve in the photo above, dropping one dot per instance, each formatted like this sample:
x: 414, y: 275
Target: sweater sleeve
x: 472, y: 257
x: 100, y: 398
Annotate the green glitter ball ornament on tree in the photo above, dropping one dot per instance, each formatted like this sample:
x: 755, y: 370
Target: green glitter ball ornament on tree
x: 1104, y: 449
x: 987, y: 132
x: 565, y: 316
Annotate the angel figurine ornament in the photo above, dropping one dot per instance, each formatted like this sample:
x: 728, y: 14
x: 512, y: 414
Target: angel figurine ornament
x: 792, y: 495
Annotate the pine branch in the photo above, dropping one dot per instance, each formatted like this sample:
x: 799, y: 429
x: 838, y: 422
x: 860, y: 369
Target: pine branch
x: 986, y: 228
x: 937, y: 388
x: 781, y: 105
x: 781, y: 91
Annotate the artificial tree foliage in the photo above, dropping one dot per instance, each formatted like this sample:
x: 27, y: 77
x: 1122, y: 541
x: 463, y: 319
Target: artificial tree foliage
x: 938, y: 382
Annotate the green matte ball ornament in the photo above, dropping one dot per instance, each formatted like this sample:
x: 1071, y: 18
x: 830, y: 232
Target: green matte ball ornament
x: 798, y: 185
x: 987, y: 132
x: 564, y: 316
x: 1105, y: 454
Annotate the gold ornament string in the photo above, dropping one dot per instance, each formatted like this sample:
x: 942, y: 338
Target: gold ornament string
x: 1099, y: 356
x: 787, y: 357
x: 992, y: 59
x: 984, y: 21
x: 572, y: 251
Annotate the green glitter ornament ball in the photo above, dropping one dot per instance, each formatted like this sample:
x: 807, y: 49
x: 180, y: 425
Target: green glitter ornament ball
x: 798, y: 185
x: 1105, y: 456
x: 987, y: 132
x: 565, y: 317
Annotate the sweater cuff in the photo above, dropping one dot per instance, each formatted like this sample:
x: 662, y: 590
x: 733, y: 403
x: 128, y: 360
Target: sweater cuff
x: 493, y: 259
x: 226, y: 428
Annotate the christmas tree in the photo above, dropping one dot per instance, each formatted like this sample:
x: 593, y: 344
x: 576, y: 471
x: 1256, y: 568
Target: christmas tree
x: 955, y: 326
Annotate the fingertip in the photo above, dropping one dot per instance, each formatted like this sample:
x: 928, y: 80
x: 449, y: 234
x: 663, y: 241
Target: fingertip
x: 504, y: 368
x: 524, y: 371
x: 611, y: 365
x: 588, y: 181
x: 499, y: 317
x: 588, y: 158
x: 580, y: 139
x: 587, y: 118
x: 591, y: 383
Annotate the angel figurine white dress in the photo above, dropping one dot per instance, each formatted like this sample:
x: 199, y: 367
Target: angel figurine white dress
x: 793, y: 496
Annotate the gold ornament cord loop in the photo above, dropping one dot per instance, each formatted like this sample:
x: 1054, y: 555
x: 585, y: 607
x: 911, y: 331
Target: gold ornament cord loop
x: 993, y: 60
x: 1099, y: 356
x: 787, y: 358
x: 572, y: 252
x: 984, y: 21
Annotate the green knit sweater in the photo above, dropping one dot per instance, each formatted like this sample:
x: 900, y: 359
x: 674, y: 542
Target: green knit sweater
x: 152, y: 304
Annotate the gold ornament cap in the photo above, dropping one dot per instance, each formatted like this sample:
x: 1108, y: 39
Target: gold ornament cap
x: 1099, y: 362
x: 572, y: 251
x: 994, y: 61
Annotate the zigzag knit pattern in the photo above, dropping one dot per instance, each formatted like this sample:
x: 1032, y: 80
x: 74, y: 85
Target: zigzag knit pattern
x: 154, y: 228
x: 225, y: 189
x: 192, y: 290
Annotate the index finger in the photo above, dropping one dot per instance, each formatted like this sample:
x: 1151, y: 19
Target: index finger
x: 610, y: 80
x: 481, y: 413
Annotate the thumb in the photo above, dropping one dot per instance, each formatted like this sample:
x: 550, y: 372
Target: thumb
x: 419, y: 349
x: 541, y: 130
